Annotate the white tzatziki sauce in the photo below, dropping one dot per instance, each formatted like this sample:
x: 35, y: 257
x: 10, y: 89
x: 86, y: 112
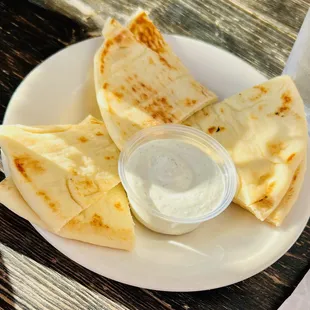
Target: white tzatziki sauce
x: 174, y: 178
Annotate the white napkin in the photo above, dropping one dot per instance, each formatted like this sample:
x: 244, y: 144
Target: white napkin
x: 298, y: 64
x: 300, y: 299
x: 298, y: 67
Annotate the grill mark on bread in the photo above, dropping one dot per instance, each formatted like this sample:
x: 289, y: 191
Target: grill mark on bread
x: 83, y: 139
x: 160, y: 109
x: 118, y: 206
x: 286, y: 101
x: 25, y: 162
x: 47, y: 199
x: 146, y: 33
x: 97, y: 221
x: 190, y: 102
x: 211, y: 129
x: 262, y: 91
x: 290, y: 158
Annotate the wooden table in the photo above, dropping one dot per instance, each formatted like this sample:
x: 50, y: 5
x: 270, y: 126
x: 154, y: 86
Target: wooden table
x: 33, y: 275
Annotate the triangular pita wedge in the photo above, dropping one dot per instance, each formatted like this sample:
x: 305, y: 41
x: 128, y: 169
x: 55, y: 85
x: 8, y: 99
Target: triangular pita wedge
x: 265, y: 131
x: 61, y: 170
x: 107, y: 223
x: 137, y: 87
x: 286, y: 204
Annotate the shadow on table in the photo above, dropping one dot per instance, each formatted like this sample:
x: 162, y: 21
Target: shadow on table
x: 7, y: 300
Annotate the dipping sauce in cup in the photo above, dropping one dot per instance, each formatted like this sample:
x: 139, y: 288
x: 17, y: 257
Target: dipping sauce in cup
x: 176, y: 177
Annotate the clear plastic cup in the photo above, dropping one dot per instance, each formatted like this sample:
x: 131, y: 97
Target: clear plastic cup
x: 150, y: 216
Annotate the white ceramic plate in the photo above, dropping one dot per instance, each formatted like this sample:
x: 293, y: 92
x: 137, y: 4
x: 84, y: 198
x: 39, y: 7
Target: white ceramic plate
x: 225, y: 250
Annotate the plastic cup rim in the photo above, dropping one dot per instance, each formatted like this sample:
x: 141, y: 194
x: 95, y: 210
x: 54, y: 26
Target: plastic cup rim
x: 231, y: 181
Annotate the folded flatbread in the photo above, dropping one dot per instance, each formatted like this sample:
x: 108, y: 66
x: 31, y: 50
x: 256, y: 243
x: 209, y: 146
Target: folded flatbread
x: 140, y: 82
x: 107, y: 223
x: 278, y: 215
x: 265, y: 131
x: 61, y: 170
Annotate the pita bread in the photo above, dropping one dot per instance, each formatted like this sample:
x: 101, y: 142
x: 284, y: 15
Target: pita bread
x: 61, y: 170
x: 137, y: 87
x: 106, y: 223
x: 265, y: 131
x: 278, y: 215
x: 12, y: 199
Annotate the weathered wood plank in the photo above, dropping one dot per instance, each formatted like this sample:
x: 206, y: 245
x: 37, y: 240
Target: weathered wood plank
x: 260, y: 32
